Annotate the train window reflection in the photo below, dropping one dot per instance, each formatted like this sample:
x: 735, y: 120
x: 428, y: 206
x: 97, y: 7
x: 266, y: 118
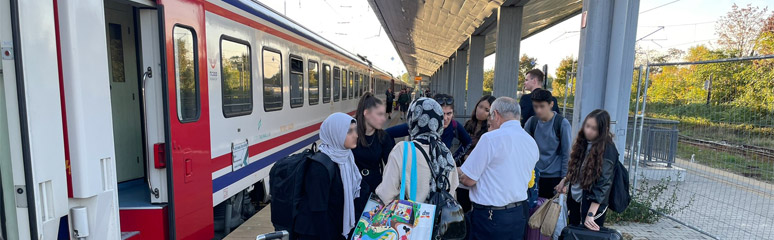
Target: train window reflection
x: 336, y: 83
x: 186, y: 77
x: 236, y: 75
x: 326, y: 83
x: 296, y: 82
x: 314, y: 83
x: 344, y: 84
x: 272, y: 80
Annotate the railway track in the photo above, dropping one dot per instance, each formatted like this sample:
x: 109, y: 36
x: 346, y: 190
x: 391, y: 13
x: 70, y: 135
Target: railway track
x: 755, y: 152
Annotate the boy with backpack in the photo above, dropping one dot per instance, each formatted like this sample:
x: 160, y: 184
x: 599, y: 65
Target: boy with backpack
x: 552, y: 134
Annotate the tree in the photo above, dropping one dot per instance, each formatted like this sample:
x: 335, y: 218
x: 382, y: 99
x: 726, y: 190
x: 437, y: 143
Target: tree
x: 739, y: 29
x: 526, y: 63
x: 566, y: 65
x: 488, y: 81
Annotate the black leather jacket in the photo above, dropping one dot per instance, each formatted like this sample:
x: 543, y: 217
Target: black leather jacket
x: 600, y: 190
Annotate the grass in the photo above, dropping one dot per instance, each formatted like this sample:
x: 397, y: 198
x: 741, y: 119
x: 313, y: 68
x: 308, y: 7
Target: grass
x: 738, y: 164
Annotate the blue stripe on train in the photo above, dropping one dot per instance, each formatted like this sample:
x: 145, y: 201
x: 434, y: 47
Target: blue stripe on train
x: 232, y: 177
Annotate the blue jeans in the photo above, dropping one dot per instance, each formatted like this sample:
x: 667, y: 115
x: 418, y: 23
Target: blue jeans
x: 504, y: 224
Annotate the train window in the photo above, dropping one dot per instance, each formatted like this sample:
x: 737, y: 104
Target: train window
x: 272, y: 80
x: 186, y: 74
x: 296, y: 82
x: 344, y: 83
x: 336, y: 83
x: 356, y: 84
x: 314, y: 83
x: 326, y: 83
x: 351, y: 85
x: 360, y: 85
x: 235, y: 72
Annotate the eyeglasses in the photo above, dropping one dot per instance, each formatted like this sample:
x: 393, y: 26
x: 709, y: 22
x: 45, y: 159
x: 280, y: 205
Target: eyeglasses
x: 445, y: 100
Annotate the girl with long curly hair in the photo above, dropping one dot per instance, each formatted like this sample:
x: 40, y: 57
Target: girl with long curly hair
x: 590, y: 172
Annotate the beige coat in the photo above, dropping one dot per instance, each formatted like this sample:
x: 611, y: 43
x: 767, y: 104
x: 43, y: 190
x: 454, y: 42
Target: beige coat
x: 389, y: 189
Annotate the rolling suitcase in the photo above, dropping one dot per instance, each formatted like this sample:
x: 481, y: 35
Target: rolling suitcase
x: 581, y: 233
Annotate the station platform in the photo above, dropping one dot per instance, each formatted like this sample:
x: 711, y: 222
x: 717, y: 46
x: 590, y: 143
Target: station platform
x: 260, y: 223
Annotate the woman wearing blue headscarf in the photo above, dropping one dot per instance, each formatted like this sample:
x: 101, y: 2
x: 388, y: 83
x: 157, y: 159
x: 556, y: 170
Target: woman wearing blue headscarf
x: 425, y: 121
x: 328, y: 205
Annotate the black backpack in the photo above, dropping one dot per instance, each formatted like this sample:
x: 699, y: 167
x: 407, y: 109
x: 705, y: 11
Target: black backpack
x: 558, y: 120
x: 619, y: 197
x: 286, y: 185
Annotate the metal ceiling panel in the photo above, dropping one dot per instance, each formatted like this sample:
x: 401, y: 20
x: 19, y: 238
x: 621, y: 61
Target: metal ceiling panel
x: 426, y: 32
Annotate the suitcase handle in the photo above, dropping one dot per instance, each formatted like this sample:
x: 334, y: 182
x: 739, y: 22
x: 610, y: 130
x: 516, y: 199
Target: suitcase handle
x: 283, y: 235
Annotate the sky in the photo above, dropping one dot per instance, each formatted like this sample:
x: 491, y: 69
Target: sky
x: 353, y: 25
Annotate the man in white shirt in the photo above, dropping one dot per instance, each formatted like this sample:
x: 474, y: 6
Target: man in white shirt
x: 498, y: 172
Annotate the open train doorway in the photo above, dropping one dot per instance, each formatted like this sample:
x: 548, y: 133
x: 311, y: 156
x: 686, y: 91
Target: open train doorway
x: 134, y: 56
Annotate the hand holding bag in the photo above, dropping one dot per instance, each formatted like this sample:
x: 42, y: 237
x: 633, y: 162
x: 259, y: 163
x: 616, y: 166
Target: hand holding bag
x: 546, y: 217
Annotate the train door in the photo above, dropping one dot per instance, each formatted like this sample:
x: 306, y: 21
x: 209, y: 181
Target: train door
x: 134, y: 54
x: 191, y: 212
x: 125, y: 93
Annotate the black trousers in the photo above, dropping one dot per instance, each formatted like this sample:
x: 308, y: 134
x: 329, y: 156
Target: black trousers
x: 578, y: 212
x: 546, y: 186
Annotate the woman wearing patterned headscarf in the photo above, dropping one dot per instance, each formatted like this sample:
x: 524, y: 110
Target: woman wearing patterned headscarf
x: 328, y: 208
x: 425, y: 120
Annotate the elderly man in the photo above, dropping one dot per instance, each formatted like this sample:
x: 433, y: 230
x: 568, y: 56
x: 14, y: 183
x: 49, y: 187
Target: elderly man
x: 498, y: 172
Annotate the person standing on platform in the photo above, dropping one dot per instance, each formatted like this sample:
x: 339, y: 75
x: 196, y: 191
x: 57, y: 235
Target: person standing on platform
x: 475, y: 127
x: 534, y: 80
x: 327, y: 208
x: 424, y: 119
x: 374, y: 144
x: 498, y: 172
x: 551, y: 131
x: 451, y: 128
x: 590, y: 173
x: 403, y: 100
x: 390, y: 97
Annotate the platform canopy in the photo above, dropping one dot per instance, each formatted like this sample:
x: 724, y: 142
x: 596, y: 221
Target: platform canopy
x: 426, y: 32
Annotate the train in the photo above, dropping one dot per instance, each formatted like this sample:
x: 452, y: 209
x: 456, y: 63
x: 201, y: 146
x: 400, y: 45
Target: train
x: 142, y: 119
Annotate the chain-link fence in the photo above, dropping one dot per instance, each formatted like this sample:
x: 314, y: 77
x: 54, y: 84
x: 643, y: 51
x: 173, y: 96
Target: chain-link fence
x: 700, y: 143
x: 705, y: 127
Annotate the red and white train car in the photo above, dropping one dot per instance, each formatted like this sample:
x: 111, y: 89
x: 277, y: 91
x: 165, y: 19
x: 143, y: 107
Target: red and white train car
x: 139, y: 119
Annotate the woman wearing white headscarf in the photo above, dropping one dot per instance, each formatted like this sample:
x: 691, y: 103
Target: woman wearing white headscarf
x: 328, y: 204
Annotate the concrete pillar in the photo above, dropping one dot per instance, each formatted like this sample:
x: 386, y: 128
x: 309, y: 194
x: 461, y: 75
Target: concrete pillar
x: 460, y: 75
x: 452, y: 74
x: 606, y: 62
x: 475, y: 71
x: 444, y: 78
x: 506, y: 78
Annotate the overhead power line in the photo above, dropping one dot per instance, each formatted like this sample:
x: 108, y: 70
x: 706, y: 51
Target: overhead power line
x: 659, y: 6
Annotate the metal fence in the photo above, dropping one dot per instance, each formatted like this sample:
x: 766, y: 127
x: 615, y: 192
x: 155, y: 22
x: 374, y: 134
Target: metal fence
x: 718, y: 144
x: 700, y: 127
x: 659, y: 141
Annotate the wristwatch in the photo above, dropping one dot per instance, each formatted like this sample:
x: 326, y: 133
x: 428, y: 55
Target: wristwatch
x: 590, y: 214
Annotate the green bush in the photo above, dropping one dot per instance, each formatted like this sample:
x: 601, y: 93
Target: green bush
x: 661, y: 197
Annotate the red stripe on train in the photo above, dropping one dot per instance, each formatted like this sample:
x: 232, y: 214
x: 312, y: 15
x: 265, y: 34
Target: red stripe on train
x: 224, y: 160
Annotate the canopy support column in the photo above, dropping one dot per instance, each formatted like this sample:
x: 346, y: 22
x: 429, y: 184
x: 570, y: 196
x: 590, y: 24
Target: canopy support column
x: 506, y: 79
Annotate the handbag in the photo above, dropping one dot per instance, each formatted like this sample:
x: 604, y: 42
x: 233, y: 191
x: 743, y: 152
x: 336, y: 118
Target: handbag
x: 546, y: 217
x: 534, y: 233
x: 449, y: 215
x: 399, y: 219
x: 580, y: 232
